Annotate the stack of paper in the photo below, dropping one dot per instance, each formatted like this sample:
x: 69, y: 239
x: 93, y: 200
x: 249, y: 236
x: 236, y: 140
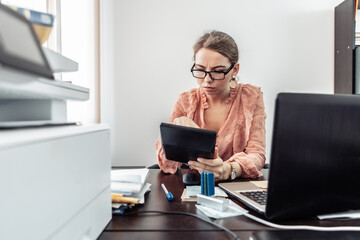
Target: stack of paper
x: 128, y: 187
x: 128, y: 181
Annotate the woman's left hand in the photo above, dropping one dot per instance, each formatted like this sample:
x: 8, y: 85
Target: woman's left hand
x: 215, y: 165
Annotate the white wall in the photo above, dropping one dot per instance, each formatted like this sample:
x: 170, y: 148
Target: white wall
x: 285, y: 45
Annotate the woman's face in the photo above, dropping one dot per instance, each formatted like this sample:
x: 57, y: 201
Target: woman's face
x: 210, y: 60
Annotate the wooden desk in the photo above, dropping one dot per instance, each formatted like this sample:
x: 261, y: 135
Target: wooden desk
x: 160, y: 226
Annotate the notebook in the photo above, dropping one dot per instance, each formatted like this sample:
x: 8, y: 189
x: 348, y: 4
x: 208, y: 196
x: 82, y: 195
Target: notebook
x: 315, y: 158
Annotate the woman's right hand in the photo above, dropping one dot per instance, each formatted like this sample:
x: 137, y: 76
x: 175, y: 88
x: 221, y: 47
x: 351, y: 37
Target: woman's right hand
x: 185, y: 121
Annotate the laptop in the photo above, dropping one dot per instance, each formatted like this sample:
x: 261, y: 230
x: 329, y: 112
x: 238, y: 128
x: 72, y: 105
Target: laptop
x: 315, y: 158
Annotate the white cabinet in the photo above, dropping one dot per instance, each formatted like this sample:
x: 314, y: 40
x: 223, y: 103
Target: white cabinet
x: 55, y: 182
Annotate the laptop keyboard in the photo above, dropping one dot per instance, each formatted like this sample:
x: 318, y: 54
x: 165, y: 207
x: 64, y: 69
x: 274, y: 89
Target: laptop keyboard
x: 257, y: 196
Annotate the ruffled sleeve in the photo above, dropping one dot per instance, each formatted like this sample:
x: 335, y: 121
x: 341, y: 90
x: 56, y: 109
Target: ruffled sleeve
x: 164, y: 164
x: 252, y: 159
x: 184, y: 106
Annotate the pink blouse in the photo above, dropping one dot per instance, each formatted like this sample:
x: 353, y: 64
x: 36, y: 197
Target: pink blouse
x: 242, y: 137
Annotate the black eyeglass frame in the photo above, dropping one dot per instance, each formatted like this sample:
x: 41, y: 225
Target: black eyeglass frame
x: 210, y: 72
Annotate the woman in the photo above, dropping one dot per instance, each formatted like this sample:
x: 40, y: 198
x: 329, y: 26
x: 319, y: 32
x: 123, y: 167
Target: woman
x: 235, y: 111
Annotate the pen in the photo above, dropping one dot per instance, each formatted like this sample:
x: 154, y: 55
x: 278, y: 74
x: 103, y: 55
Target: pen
x: 168, y: 194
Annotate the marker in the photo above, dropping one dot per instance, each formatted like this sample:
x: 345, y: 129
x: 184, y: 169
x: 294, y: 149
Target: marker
x: 169, y: 196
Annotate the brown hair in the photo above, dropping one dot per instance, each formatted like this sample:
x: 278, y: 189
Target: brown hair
x: 219, y: 42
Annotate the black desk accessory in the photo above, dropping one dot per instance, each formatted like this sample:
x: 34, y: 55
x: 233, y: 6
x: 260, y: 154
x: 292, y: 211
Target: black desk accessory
x: 192, y: 177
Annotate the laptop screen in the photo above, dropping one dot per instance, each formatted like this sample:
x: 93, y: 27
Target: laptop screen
x: 315, y: 157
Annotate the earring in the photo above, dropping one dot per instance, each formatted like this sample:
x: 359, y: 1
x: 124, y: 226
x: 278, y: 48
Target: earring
x: 233, y: 81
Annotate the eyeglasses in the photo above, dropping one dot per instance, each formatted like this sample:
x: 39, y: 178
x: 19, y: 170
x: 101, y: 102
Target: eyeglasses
x: 214, y: 75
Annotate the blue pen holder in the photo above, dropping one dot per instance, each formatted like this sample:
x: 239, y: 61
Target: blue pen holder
x: 207, y: 183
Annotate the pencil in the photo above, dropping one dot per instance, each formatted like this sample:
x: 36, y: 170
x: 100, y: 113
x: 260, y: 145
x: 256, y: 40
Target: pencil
x: 118, y: 198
